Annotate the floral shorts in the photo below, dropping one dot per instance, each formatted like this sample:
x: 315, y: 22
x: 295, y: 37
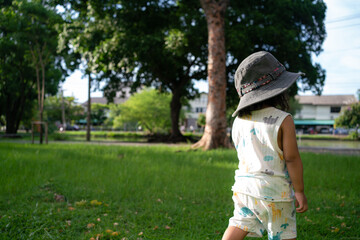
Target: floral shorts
x: 255, y: 216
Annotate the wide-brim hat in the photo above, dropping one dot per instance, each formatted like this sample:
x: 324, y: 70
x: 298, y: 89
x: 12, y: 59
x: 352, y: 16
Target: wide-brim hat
x: 261, y: 76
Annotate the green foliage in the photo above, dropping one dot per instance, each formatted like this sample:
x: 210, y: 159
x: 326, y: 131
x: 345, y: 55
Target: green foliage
x: 60, y: 136
x: 114, y: 111
x: 350, y: 117
x: 28, y: 41
x: 53, y: 109
x: 99, y: 113
x: 294, y: 105
x: 148, y: 108
x: 291, y: 30
x: 175, y: 41
x: 141, y: 43
x: 120, y: 44
x: 201, y: 121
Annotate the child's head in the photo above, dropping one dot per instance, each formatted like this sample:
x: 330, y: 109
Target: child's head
x: 261, y: 77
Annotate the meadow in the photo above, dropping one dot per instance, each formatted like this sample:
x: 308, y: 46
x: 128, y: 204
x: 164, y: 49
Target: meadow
x: 87, y: 191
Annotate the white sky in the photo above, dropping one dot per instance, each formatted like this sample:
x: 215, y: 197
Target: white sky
x: 340, y: 58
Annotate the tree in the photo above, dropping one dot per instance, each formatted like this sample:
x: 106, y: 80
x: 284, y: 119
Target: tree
x: 157, y: 43
x: 350, y: 118
x: 201, y: 121
x: 53, y: 109
x: 163, y: 43
x: 291, y: 30
x: 82, y: 35
x: 149, y: 109
x: 98, y: 113
x: 114, y: 111
x: 41, y: 35
x: 18, y: 26
x: 215, y: 134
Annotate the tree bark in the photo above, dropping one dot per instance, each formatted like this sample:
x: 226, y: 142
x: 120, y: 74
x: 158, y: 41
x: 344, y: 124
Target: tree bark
x: 175, y: 106
x: 215, y: 134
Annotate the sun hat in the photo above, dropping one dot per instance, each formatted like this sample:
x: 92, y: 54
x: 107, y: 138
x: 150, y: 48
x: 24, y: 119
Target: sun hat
x: 261, y: 76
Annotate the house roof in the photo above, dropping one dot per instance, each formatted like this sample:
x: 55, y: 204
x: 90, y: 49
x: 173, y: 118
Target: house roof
x: 313, y: 122
x: 335, y: 100
x: 103, y: 100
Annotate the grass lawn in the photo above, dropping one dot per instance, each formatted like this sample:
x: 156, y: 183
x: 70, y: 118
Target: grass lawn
x: 155, y: 192
x: 80, y: 136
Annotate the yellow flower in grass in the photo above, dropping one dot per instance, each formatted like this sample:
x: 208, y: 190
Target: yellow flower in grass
x: 95, y: 203
x: 81, y: 203
x: 109, y: 231
x: 115, y: 234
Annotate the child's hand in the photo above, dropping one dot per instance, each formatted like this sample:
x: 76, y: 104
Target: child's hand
x: 300, y: 202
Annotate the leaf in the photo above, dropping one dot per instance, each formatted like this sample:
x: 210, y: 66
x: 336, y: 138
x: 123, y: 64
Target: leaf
x: 90, y: 225
x: 167, y: 227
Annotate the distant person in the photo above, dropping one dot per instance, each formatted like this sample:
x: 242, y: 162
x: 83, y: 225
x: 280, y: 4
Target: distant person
x: 270, y: 172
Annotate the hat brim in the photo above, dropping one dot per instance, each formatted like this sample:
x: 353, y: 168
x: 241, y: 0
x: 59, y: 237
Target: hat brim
x: 272, y: 89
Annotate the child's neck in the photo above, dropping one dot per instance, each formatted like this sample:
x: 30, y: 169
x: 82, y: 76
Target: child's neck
x: 265, y: 106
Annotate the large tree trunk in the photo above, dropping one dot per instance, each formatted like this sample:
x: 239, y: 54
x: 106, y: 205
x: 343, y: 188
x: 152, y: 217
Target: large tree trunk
x: 10, y: 123
x: 175, y: 107
x: 215, y: 134
x: 14, y: 110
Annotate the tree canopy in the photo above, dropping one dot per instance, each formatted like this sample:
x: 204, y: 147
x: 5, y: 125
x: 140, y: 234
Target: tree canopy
x: 164, y: 43
x: 148, y: 108
x: 291, y: 30
x: 28, y: 31
x: 350, y: 117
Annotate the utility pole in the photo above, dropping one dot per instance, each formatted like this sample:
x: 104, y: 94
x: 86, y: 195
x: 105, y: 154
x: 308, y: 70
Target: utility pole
x: 88, y: 123
x: 63, y: 110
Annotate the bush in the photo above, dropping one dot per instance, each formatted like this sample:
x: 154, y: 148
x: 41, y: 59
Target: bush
x: 60, y: 136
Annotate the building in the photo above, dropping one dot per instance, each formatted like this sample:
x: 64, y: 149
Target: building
x: 118, y: 99
x: 196, y: 107
x: 318, y: 113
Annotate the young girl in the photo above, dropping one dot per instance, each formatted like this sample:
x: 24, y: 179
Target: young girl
x: 270, y: 172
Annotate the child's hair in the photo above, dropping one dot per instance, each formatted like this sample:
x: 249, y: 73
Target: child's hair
x: 280, y: 101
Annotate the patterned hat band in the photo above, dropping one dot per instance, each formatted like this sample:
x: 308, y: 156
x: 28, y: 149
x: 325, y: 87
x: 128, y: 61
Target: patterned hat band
x: 267, y: 78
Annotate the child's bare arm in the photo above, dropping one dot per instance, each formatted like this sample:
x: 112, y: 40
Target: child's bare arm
x: 293, y: 162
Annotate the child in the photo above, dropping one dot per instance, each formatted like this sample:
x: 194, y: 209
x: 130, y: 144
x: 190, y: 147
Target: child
x: 270, y: 167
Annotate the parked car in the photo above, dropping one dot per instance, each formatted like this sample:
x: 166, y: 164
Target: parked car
x: 341, y: 131
x: 70, y: 128
x: 325, y: 131
x: 353, y: 130
x: 310, y: 130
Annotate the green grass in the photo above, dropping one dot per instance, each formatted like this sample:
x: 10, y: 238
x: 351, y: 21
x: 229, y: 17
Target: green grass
x: 80, y: 136
x: 155, y: 192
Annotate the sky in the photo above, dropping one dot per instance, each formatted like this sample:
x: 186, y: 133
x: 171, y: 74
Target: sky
x: 340, y: 57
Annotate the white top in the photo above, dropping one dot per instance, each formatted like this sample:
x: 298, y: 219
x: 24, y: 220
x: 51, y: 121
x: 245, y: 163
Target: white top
x: 262, y: 171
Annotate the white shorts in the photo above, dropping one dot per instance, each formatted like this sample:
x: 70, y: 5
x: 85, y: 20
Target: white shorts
x: 255, y: 216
